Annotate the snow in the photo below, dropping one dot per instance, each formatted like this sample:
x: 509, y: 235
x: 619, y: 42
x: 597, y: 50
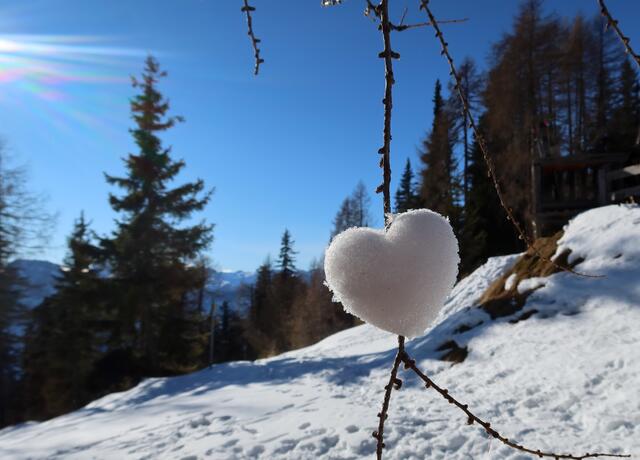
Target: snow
x: 564, y: 379
x: 510, y: 281
x: 397, y: 278
x: 40, y: 277
x: 531, y: 284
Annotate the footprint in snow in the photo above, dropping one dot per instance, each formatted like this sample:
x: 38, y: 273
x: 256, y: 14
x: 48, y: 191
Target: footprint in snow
x: 286, y: 445
x: 230, y: 443
x: 304, y: 426
x: 249, y: 430
x: 255, y: 451
x: 351, y: 429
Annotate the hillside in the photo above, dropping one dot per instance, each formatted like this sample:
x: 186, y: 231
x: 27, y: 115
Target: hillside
x: 559, y: 371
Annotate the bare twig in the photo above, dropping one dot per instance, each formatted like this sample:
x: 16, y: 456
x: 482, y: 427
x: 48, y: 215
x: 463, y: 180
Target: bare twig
x: 611, y: 22
x: 483, y: 147
x: 381, y: 11
x: 402, y: 27
x: 248, y: 9
x: 388, y: 55
x: 472, y: 418
x: 394, y: 382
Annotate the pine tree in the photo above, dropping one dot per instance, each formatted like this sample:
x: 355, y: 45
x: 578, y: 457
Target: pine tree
x: 440, y: 187
x: 12, y: 313
x: 261, y: 321
x: 286, y: 287
x: 471, y: 87
x: 152, y: 256
x: 486, y: 231
x: 63, y: 340
x: 626, y: 117
x: 286, y: 259
x: 406, y: 196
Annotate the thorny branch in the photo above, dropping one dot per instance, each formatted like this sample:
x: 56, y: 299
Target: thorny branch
x: 411, y: 364
x: 248, y: 9
x: 611, y: 22
x: 424, y: 4
x: 394, y: 382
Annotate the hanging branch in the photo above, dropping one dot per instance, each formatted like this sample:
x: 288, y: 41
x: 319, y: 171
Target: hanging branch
x: 248, y: 9
x: 382, y: 11
x: 472, y: 418
x: 424, y: 5
x: 626, y: 41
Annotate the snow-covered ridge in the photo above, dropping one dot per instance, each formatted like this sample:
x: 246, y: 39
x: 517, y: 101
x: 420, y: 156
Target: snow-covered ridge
x: 40, y: 277
x: 565, y: 379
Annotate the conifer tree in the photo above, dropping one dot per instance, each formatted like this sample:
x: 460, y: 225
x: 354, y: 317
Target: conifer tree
x: 286, y: 287
x: 406, y: 196
x: 260, y: 320
x: 626, y: 117
x: 229, y: 342
x: 471, y: 87
x: 12, y: 313
x: 286, y: 259
x: 63, y: 339
x: 151, y: 253
x: 486, y: 231
x: 440, y: 187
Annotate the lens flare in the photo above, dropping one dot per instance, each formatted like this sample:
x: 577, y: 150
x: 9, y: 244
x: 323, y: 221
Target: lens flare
x: 63, y: 76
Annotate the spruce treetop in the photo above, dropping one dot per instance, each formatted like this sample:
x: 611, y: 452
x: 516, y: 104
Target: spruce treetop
x: 286, y: 259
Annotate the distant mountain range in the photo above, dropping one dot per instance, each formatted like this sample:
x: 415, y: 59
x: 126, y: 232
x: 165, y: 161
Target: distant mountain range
x: 222, y: 285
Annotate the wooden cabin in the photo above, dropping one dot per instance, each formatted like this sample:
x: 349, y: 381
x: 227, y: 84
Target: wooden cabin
x: 566, y: 186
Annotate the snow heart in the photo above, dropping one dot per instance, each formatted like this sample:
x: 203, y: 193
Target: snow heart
x: 396, y: 279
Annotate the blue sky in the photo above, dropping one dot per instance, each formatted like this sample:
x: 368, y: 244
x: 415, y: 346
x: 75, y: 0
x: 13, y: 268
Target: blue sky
x: 282, y: 149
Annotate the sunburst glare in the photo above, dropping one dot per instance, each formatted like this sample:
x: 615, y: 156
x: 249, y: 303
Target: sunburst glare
x: 55, y: 70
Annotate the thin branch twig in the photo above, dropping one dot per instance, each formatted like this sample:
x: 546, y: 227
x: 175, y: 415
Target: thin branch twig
x: 394, y: 382
x: 424, y: 4
x: 611, y: 22
x: 382, y: 10
x: 471, y: 418
x: 248, y: 9
x: 402, y: 27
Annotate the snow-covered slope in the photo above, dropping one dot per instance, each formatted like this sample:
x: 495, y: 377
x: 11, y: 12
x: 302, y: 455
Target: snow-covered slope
x: 566, y: 379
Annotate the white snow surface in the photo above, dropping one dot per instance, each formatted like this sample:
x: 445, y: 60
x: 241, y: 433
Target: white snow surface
x: 395, y: 279
x: 567, y: 379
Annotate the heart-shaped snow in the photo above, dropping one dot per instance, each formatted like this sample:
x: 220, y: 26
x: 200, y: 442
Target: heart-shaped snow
x: 396, y: 279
